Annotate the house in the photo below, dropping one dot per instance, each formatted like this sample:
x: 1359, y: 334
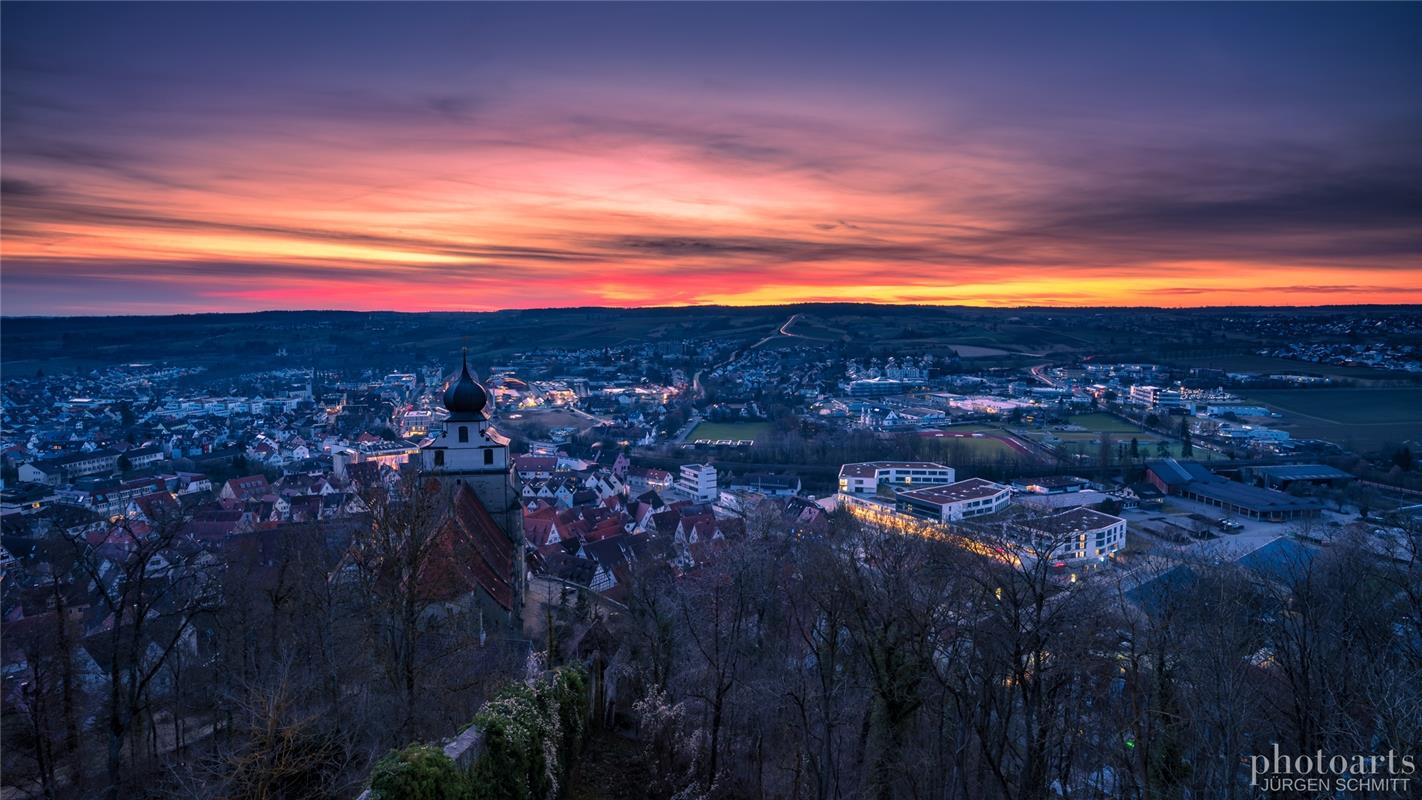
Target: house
x: 615, y: 557
x: 100, y: 461
x: 154, y: 507
x: 250, y: 486
x: 643, y: 479
x: 531, y: 467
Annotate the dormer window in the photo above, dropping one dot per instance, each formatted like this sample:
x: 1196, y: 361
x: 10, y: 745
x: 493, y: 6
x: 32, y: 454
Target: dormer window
x: 463, y: 434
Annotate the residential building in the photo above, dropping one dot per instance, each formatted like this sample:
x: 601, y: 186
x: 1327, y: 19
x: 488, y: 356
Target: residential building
x: 698, y: 481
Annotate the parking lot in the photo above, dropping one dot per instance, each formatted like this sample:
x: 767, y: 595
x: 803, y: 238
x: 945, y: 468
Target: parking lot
x: 1194, y: 523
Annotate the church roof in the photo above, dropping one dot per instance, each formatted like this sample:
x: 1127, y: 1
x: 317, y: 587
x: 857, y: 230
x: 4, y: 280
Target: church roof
x: 472, y: 551
x: 465, y: 398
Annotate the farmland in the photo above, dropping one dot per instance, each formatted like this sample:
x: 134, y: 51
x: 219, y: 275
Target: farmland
x: 1283, y: 366
x: 1356, y: 418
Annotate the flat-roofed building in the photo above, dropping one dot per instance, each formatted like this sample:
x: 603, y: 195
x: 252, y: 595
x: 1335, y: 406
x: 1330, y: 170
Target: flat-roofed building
x: 698, y: 481
x: 865, y: 476
x: 1282, y: 477
x: 973, y: 497
x: 1050, y: 484
x: 1155, y: 397
x: 1074, y: 535
x: 877, y: 387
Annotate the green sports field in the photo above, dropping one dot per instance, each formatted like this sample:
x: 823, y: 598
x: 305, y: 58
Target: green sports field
x: 1102, y: 423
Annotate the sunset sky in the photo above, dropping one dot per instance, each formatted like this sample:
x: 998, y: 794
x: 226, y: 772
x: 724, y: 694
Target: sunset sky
x: 228, y: 157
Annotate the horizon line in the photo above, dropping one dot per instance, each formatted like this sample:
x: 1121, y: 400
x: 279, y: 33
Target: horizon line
x: 689, y: 306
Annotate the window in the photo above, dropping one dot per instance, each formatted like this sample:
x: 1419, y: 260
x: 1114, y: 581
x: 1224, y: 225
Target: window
x: 488, y: 456
x: 463, y: 434
x: 439, y: 458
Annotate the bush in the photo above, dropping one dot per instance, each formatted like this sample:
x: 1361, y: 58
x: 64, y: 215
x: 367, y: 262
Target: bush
x: 419, y: 772
x: 532, y: 733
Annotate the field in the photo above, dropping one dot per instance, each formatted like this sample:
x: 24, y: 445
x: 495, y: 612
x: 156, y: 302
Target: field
x: 1354, y: 418
x: 1102, y: 423
x: 734, y: 431
x: 993, y: 445
x: 1283, y: 366
x: 1088, y: 442
x: 529, y: 419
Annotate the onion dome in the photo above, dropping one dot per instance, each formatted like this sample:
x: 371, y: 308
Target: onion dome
x: 465, y: 397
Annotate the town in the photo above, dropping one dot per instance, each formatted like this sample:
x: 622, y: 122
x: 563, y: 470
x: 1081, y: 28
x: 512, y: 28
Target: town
x: 566, y: 476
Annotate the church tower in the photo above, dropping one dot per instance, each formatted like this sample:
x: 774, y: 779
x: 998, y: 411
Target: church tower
x: 471, y: 462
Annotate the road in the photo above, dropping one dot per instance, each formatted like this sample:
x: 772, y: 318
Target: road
x: 593, y: 417
x: 783, y: 330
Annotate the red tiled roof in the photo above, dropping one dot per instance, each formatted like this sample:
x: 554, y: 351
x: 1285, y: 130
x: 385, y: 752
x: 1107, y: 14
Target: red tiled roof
x: 472, y: 550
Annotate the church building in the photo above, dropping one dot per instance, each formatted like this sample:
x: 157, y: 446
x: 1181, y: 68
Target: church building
x: 483, y: 534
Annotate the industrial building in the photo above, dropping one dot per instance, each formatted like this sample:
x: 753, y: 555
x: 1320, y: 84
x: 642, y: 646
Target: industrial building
x: 1191, y: 480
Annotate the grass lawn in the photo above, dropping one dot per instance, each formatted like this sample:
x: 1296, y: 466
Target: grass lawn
x: 1088, y: 442
x: 984, y: 449
x: 1102, y: 423
x: 716, y: 431
x: 972, y: 429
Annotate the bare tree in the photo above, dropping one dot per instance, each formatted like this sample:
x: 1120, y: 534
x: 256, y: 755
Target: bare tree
x: 154, y: 585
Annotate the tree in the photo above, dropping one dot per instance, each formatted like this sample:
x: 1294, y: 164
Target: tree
x: 392, y: 559
x: 1187, y: 449
x: 154, y: 585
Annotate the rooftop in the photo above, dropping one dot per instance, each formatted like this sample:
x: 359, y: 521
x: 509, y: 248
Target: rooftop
x: 1073, y: 522
x: 1303, y: 472
x: 970, y: 489
x: 868, y: 469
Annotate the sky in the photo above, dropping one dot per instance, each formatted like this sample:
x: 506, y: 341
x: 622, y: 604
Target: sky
x: 186, y: 157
